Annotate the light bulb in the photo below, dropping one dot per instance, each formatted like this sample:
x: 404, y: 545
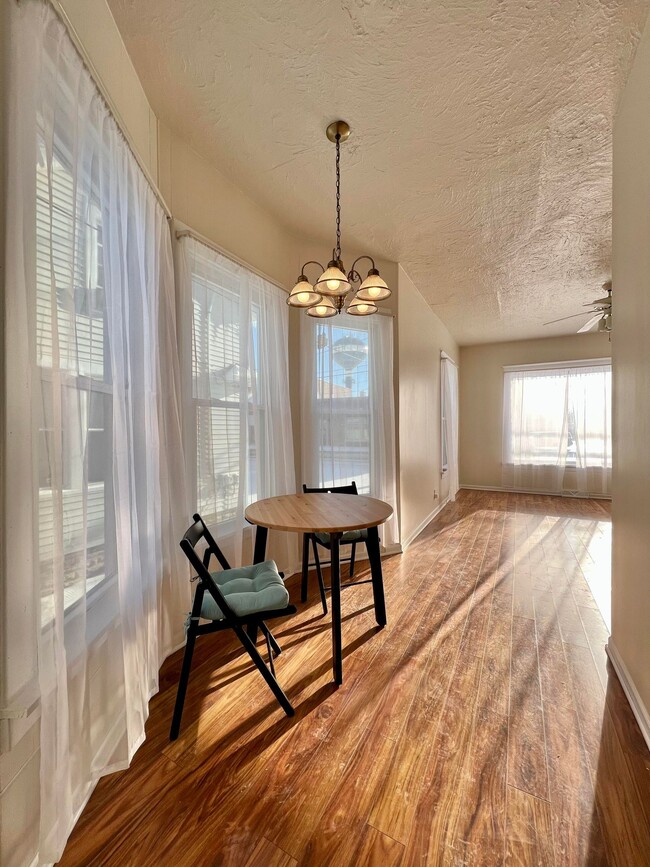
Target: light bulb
x: 374, y: 291
x: 362, y: 308
x: 304, y: 297
x: 333, y: 285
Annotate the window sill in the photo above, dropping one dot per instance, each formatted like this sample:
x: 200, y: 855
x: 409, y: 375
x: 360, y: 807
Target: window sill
x: 99, y: 616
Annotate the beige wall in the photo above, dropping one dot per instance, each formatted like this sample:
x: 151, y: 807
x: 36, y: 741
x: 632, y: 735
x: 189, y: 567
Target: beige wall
x: 204, y: 199
x: 481, y: 395
x: 421, y: 337
x: 631, y: 342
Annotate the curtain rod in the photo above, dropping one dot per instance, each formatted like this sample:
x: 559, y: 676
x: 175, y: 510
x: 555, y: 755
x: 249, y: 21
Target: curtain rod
x: 186, y: 232
x: 110, y: 105
x: 448, y: 357
x: 559, y: 365
x: 190, y: 233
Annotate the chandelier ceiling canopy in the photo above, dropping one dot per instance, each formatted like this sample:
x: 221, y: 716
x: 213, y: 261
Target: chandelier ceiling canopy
x: 328, y: 295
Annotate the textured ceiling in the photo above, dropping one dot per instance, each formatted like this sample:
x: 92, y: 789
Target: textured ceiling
x: 480, y: 156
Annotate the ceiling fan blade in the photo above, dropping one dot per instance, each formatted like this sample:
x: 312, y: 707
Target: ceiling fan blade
x: 590, y: 324
x: 573, y: 316
x: 604, y: 301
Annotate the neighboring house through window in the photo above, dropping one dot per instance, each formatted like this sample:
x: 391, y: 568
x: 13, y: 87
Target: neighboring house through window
x: 75, y: 375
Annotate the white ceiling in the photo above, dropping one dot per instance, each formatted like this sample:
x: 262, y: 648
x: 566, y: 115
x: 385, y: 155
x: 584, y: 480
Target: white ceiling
x: 480, y: 156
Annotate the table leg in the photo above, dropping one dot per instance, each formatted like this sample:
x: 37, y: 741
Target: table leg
x: 335, y: 581
x: 377, y: 579
x: 259, y: 554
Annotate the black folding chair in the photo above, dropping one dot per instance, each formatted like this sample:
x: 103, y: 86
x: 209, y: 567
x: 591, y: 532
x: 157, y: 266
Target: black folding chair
x: 352, y: 538
x: 239, y: 599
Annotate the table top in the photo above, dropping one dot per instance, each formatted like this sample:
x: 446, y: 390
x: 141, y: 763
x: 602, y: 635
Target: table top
x: 318, y: 513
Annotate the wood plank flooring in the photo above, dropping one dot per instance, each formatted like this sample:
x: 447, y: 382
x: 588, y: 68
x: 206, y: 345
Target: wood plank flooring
x: 482, y: 726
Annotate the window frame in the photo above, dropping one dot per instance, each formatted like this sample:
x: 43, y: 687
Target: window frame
x: 230, y: 524
x: 86, y: 230
x: 552, y: 367
x: 325, y: 421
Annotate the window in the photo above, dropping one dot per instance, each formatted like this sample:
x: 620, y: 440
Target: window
x: 341, y: 406
x: 76, y: 390
x: 348, y: 420
x: 557, y: 426
x: 225, y: 399
x: 240, y: 440
x: 444, y: 457
x: 449, y: 424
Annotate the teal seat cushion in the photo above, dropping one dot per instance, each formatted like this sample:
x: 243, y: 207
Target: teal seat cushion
x: 248, y: 589
x: 350, y: 536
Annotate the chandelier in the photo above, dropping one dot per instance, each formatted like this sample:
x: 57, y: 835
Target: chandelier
x: 328, y: 295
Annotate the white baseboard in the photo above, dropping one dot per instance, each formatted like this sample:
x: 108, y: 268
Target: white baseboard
x: 415, y: 533
x: 568, y: 494
x: 639, y: 709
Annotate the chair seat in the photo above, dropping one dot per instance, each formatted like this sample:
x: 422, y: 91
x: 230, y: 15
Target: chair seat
x: 350, y: 536
x: 248, y: 590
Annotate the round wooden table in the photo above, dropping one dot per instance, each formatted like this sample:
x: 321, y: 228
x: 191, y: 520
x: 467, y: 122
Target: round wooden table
x: 327, y: 513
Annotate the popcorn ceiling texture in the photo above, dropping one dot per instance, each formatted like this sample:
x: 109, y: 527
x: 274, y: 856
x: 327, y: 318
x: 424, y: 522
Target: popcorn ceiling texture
x: 481, y: 146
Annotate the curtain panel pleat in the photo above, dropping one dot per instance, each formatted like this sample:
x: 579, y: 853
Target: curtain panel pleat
x: 96, y: 588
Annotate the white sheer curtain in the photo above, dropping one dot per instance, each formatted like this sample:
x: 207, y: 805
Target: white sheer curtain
x: 348, y: 415
x: 449, y: 391
x: 238, y: 414
x: 557, y: 428
x: 96, y: 589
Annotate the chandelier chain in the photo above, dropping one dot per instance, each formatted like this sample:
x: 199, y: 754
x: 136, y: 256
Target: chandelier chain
x: 338, y: 197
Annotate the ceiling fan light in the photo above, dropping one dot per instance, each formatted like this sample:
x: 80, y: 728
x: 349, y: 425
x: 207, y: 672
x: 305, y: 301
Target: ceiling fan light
x: 303, y: 294
x: 323, y: 310
x: 373, y: 288
x: 360, y: 307
x: 333, y: 281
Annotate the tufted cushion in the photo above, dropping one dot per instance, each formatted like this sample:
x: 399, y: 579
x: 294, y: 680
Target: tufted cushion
x: 350, y: 536
x: 247, y: 589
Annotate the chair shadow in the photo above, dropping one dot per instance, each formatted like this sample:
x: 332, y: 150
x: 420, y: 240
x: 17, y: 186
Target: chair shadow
x: 315, y: 625
x: 252, y: 748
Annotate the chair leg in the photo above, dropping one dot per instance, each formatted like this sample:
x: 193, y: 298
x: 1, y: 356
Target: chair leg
x: 251, y: 628
x: 182, y: 684
x: 319, y: 574
x: 352, y: 555
x: 335, y: 572
x: 275, y: 687
x: 270, y: 653
x: 305, y: 567
x: 269, y: 635
x: 372, y: 546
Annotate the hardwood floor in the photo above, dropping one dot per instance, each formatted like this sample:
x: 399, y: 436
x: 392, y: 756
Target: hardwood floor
x: 482, y: 726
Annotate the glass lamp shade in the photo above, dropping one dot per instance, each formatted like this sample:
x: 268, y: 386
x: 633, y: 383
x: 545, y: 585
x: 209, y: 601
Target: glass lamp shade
x: 373, y: 288
x: 323, y: 310
x: 359, y: 307
x: 333, y: 281
x: 303, y: 294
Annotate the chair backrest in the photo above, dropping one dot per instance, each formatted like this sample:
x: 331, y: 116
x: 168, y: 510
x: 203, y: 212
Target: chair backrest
x: 188, y: 544
x: 332, y: 489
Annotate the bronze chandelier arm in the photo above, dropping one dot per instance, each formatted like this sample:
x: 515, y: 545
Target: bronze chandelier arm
x: 353, y: 274
x: 311, y: 262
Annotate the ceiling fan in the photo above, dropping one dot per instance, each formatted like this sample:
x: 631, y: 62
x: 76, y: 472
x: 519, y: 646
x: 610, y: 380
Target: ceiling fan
x: 601, y: 318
